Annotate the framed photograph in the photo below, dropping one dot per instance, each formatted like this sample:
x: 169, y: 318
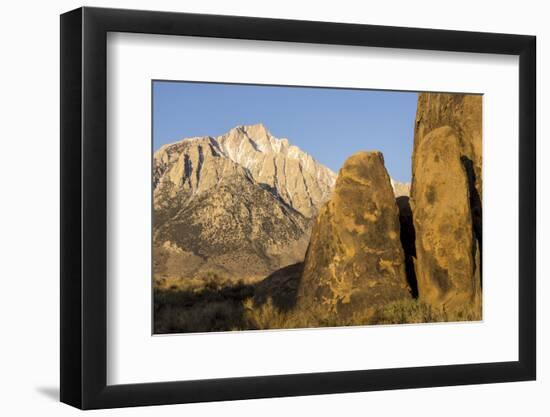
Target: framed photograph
x: 256, y: 208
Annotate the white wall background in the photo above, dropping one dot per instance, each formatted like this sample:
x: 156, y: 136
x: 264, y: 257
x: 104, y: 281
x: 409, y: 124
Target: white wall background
x: 29, y: 225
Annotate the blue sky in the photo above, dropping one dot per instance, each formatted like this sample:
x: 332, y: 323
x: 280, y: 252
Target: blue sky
x: 330, y: 124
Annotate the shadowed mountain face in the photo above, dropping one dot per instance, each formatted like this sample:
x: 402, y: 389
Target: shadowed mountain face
x: 238, y: 206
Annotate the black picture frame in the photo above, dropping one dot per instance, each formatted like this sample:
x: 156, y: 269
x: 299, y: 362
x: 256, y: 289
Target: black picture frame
x: 84, y: 207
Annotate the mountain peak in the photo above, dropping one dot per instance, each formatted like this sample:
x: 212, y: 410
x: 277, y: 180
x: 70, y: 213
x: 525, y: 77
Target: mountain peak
x: 244, y: 136
x: 288, y: 173
x: 400, y: 189
x: 244, y: 197
x: 255, y: 130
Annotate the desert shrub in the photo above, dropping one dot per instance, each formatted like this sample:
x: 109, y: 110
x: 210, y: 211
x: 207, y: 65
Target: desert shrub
x: 264, y: 316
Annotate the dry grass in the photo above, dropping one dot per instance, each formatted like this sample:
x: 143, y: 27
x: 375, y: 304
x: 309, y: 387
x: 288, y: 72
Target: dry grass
x: 268, y: 316
x: 222, y: 306
x: 416, y: 311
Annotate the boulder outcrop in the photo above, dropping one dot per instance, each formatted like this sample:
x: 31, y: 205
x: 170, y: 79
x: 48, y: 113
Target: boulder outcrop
x: 355, y: 262
x: 463, y: 113
x: 447, y: 252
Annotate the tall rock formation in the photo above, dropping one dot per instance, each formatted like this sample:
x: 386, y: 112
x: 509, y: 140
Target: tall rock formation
x: 463, y: 113
x: 446, y: 202
x: 355, y: 263
x: 238, y: 206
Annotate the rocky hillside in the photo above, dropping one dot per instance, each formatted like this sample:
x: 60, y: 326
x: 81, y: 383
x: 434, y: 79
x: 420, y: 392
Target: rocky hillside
x: 241, y: 199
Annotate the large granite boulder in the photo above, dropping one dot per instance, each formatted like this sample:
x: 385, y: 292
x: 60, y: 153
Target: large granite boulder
x: 447, y: 251
x: 463, y: 113
x: 355, y: 262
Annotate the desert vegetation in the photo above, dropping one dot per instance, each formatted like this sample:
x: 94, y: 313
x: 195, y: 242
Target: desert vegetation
x: 239, y: 306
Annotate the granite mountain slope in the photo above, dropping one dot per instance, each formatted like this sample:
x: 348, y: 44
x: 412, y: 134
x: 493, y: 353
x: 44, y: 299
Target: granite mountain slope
x: 237, y: 206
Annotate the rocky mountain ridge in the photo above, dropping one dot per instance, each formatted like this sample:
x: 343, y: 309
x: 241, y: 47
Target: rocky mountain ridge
x: 286, y: 171
x: 243, y: 198
x: 400, y: 189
